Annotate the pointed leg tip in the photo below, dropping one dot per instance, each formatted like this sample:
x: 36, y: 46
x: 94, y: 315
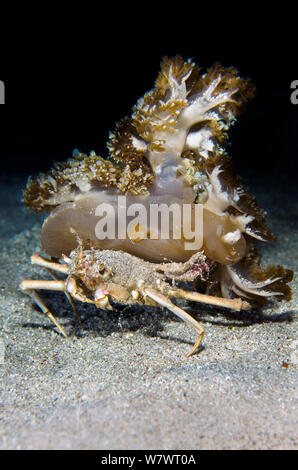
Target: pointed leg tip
x: 196, y: 346
x: 192, y: 351
x: 64, y: 332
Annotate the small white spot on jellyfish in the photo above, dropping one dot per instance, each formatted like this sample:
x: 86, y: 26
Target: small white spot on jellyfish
x: 204, y: 153
x: 138, y: 143
x: 200, y: 140
x: 232, y: 237
x: 242, y: 220
x: 219, y: 229
x: 53, y: 182
x: 84, y: 185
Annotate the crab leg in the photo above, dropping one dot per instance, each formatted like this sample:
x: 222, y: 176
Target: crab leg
x: 233, y: 304
x: 37, y: 259
x: 69, y: 298
x: 165, y: 302
x: 72, y: 288
x: 29, y: 287
x: 43, y: 285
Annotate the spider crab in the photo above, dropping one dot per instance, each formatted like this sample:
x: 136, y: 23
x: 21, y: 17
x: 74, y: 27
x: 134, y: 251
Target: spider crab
x: 94, y: 276
x: 171, y: 151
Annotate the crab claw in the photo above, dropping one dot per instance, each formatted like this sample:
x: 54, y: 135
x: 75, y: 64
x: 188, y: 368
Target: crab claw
x: 101, y: 299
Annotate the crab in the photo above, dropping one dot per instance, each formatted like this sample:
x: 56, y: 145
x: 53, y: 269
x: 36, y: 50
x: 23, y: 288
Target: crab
x: 98, y: 276
x: 169, y: 154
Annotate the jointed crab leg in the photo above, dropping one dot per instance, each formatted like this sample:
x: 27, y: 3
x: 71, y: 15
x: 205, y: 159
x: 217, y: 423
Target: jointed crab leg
x: 29, y: 284
x: 165, y: 302
x: 68, y: 287
x: 233, y: 304
x: 69, y: 298
x: 25, y: 286
x: 37, y: 259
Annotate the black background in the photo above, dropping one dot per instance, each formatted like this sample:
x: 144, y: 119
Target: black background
x: 69, y: 76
